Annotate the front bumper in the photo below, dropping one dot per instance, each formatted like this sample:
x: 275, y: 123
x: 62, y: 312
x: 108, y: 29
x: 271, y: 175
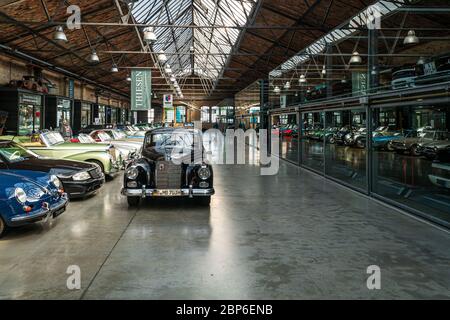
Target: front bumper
x: 168, y: 193
x: 53, y: 210
x: 79, y: 189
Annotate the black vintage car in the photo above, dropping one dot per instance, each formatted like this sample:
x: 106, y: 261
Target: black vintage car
x: 172, y: 165
x: 80, y: 179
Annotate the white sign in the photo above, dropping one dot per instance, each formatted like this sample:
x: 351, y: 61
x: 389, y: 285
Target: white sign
x: 168, y: 101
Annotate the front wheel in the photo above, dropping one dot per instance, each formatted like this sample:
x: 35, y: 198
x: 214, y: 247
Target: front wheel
x: 390, y: 147
x: 2, y: 227
x: 415, y: 151
x: 204, y: 201
x: 133, y: 201
x: 360, y: 144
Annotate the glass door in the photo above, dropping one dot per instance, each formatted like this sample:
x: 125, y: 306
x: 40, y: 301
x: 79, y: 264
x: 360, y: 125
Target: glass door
x: 345, y: 138
x: 311, y: 140
x: 85, y: 115
x: 63, y: 112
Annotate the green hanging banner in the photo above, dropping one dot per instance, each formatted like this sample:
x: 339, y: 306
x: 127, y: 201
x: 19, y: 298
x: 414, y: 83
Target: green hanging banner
x: 141, y: 90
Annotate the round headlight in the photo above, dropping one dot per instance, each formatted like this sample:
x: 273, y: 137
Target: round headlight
x: 56, y: 182
x: 81, y: 176
x: 204, y: 173
x: 132, y: 173
x: 20, y: 195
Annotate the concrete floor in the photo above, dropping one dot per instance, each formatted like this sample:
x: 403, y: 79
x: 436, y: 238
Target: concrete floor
x: 290, y: 236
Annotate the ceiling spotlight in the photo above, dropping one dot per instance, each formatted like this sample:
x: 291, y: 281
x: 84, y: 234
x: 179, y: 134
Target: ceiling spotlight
x: 277, y: 90
x: 114, y: 68
x: 128, y: 78
x: 93, y: 58
x: 411, y: 38
x: 287, y: 86
x: 356, y: 58
x: 302, y: 79
x: 162, y: 57
x: 168, y: 70
x: 149, y: 35
x: 324, y: 70
x: 421, y: 61
x: 59, y: 34
x: 173, y: 79
x: 192, y: 49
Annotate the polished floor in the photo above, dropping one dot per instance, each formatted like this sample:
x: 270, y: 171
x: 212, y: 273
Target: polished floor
x: 289, y: 236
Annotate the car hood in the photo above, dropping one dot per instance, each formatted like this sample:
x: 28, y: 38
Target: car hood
x: 437, y: 144
x: 52, y: 166
x: 35, y: 183
x: 82, y: 146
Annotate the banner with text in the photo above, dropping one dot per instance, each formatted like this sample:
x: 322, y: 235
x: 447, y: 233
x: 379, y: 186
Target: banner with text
x: 141, y: 90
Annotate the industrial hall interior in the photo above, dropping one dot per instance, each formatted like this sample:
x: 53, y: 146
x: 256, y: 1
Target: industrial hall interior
x: 224, y: 150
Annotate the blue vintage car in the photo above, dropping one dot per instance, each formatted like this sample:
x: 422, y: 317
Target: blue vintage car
x: 28, y: 197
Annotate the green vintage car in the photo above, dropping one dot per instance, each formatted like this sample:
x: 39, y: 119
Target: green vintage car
x: 52, y: 145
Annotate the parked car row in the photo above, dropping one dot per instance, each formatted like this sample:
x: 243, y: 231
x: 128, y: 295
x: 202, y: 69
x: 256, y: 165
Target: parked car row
x: 426, y: 141
x: 40, y: 173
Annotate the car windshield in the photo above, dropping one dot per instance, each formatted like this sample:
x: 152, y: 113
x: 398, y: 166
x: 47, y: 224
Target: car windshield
x: 12, y: 152
x: 174, y: 139
x: 103, y: 136
x: 84, y: 138
x: 427, y: 135
x: 52, y: 138
x: 119, y: 134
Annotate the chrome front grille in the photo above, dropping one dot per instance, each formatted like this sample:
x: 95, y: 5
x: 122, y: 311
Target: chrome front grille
x: 168, y: 175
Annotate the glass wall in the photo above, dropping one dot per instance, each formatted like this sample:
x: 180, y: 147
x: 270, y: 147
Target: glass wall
x: 411, y: 157
x: 345, y: 138
x: 312, y: 148
x: 287, y: 127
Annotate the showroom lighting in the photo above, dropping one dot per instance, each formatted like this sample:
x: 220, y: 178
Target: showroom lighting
x: 149, y: 35
x: 324, y: 70
x: 287, y: 86
x: 93, y: 58
x: 173, y: 79
x: 168, y: 70
x: 277, y: 90
x: 421, y: 61
x: 302, y: 79
x: 114, y: 68
x: 59, y: 34
x: 162, y: 57
x: 128, y: 78
x: 411, y: 38
x: 356, y: 58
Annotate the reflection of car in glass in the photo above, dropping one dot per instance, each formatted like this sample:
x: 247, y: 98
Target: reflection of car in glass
x: 439, y: 146
x: 341, y: 134
x: 433, y: 70
x: 52, y: 145
x: 411, y: 142
x: 79, y: 179
x: 356, y: 138
x: 166, y: 168
x: 403, y: 77
x: 440, y: 175
x: 29, y: 196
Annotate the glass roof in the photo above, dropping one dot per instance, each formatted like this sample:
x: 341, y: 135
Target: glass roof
x: 212, y: 41
x: 382, y: 9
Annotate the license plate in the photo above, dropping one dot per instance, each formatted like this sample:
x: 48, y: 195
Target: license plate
x: 168, y: 193
x: 429, y: 68
x: 59, y: 212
